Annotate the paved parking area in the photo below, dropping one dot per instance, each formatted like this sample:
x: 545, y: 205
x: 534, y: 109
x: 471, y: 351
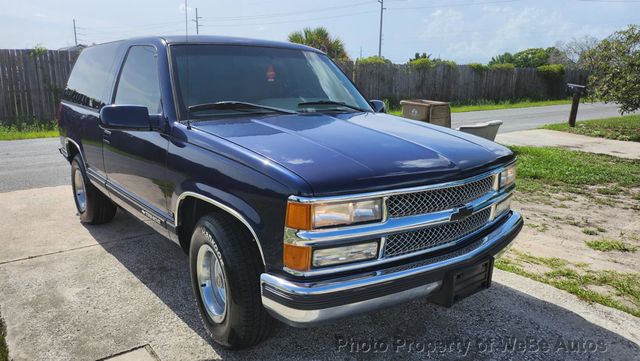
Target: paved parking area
x: 74, y: 292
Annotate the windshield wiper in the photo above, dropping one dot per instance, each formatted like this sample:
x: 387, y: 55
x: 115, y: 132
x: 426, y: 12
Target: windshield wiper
x: 330, y: 102
x: 236, y: 105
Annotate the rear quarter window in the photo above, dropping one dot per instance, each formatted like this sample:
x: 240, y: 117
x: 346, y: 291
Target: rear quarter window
x: 92, y: 76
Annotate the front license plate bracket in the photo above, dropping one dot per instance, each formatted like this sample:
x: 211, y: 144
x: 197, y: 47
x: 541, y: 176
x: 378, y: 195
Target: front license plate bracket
x: 462, y: 283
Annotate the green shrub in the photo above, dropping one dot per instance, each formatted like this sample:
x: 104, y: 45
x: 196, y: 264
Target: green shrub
x: 551, y: 71
x: 38, y: 50
x: 422, y: 64
x: 447, y: 63
x: 374, y: 60
x: 531, y: 58
x: 502, y: 67
x: 478, y: 67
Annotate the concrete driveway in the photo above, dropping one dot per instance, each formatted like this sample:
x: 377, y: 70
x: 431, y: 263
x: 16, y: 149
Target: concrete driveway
x: 77, y: 292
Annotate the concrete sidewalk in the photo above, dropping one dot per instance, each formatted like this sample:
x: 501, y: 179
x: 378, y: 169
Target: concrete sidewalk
x: 552, y: 138
x: 74, y: 292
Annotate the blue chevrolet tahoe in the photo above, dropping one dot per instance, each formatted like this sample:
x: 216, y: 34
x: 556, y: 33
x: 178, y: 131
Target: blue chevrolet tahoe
x: 295, y: 198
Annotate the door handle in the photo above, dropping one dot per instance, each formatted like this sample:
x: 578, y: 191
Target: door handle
x: 105, y: 136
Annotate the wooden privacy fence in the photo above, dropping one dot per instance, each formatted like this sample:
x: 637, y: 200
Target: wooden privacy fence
x: 458, y: 83
x: 31, y: 83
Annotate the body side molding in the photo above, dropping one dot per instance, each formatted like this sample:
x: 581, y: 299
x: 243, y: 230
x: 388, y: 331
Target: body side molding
x: 222, y: 206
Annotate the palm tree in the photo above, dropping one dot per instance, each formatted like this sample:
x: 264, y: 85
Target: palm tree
x: 320, y: 38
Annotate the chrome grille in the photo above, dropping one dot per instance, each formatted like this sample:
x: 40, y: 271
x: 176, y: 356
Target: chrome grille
x: 407, y: 242
x: 435, y: 200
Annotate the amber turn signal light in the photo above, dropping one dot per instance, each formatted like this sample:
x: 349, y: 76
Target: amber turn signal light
x: 298, y: 215
x: 297, y: 257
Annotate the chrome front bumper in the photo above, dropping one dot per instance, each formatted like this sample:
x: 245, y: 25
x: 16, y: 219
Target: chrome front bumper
x: 304, y: 303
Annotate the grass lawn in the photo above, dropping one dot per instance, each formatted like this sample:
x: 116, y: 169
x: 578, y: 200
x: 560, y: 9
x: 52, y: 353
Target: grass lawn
x: 547, y: 169
x: 578, y: 279
x: 497, y: 106
x: 618, y: 128
x: 28, y: 132
x: 4, y: 353
x: 560, y: 193
x: 608, y: 245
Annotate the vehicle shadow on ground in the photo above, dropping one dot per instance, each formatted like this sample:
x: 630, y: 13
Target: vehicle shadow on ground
x: 480, y: 327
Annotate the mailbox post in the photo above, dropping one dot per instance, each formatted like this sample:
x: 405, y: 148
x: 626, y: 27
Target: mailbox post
x: 577, y: 91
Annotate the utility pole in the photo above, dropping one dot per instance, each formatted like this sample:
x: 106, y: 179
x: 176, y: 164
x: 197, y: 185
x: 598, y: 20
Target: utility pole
x: 186, y: 19
x: 196, y: 20
x: 382, y: 9
x: 75, y: 33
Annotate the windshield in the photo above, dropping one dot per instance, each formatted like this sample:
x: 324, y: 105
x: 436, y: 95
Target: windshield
x: 288, y: 79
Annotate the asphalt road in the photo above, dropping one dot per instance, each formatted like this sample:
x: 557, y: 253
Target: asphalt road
x: 32, y: 163
x: 531, y: 118
x: 36, y: 163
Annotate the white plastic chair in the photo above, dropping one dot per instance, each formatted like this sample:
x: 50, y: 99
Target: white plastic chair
x: 487, y: 130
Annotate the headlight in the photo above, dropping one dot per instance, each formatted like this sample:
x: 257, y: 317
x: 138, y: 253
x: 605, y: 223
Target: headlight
x: 335, y: 214
x: 310, y: 216
x: 345, y: 254
x: 507, y: 177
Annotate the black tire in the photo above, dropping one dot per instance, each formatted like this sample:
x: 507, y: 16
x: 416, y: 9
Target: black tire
x: 245, y: 321
x: 96, y: 208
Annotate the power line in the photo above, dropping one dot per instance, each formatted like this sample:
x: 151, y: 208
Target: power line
x: 294, y: 21
x: 277, y: 15
x: 454, y: 5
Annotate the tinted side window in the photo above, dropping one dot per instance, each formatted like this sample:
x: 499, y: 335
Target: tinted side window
x: 91, y: 78
x: 138, y: 84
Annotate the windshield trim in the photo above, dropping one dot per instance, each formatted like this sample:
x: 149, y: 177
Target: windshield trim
x: 177, y: 99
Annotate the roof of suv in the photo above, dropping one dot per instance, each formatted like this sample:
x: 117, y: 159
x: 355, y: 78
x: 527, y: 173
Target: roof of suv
x: 213, y: 39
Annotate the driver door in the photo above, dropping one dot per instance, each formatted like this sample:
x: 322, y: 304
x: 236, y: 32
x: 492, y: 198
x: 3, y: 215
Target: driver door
x: 135, y: 161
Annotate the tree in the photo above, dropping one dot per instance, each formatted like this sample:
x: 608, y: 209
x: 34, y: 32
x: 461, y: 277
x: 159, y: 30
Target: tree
x: 615, y: 69
x: 420, y: 56
x: 532, y: 58
x: 320, y: 38
x: 506, y: 58
x: 573, y: 53
x: 374, y: 59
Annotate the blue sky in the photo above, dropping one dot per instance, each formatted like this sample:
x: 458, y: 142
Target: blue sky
x: 460, y: 30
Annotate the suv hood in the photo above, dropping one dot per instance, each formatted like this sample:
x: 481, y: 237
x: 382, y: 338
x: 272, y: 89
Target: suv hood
x: 360, y: 152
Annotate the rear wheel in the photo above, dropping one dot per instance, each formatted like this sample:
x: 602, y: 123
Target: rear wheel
x: 92, y: 205
x: 225, y: 273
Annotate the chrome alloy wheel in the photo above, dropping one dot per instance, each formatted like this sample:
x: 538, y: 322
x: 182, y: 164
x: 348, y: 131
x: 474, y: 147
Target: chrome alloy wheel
x: 213, y: 283
x: 79, y: 190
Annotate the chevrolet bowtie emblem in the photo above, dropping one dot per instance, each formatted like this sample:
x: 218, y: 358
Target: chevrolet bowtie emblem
x: 460, y: 214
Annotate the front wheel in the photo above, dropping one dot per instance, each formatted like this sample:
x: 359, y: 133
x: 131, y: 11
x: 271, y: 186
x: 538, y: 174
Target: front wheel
x: 225, y: 273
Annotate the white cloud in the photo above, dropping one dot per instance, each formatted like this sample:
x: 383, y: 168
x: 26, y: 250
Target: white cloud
x: 476, y: 36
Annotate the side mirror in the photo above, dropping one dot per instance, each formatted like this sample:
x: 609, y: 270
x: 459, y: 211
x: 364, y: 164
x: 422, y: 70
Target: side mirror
x: 378, y: 106
x: 125, y: 117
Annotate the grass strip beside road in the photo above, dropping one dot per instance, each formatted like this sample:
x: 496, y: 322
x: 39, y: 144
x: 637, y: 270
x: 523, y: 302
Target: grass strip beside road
x: 497, y: 106
x: 547, y: 169
x: 625, y: 128
x: 13, y: 132
x: 623, y: 289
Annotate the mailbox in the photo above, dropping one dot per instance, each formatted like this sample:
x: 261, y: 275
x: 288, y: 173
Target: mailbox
x: 576, y: 91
